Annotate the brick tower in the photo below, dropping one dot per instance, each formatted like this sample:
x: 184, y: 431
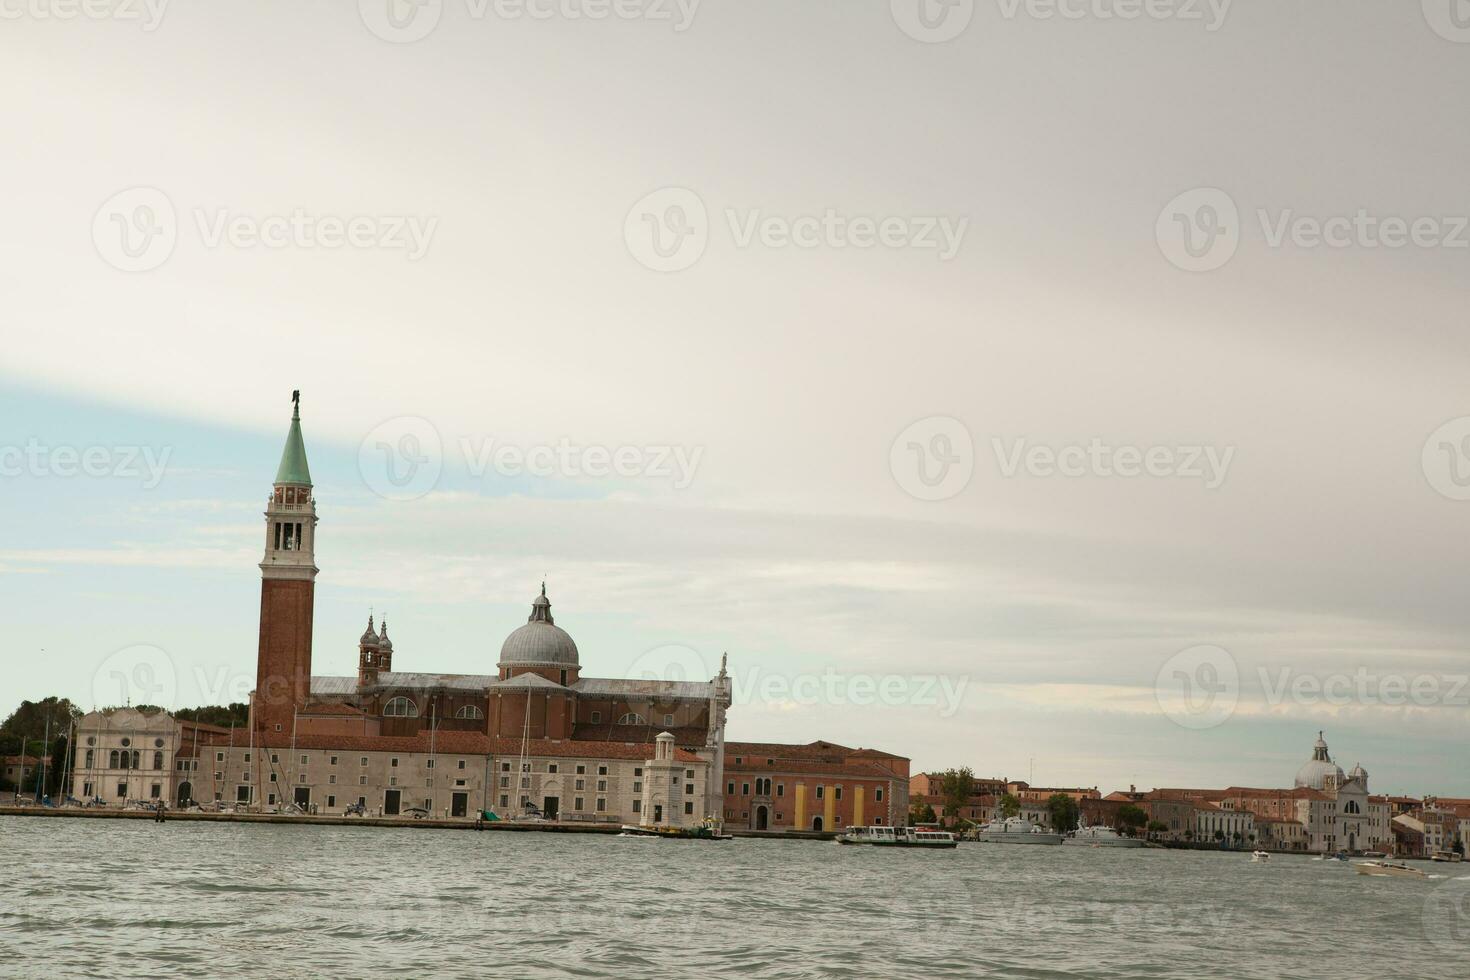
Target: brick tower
x: 287, y: 589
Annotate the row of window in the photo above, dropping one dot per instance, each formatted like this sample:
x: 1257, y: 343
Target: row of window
x: 402, y: 707
x: 763, y: 788
x: 124, y: 760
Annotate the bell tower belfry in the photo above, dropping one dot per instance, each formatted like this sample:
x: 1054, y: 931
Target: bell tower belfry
x: 287, y: 588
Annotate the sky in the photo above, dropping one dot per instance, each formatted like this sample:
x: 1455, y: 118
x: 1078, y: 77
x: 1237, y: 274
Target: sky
x: 1073, y: 391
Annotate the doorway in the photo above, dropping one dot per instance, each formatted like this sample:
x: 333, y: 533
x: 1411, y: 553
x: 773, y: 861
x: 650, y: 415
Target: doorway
x: 817, y: 823
x: 550, y: 807
x: 303, y: 796
x: 762, y: 818
x: 459, y: 805
x: 392, y: 802
x: 186, y: 795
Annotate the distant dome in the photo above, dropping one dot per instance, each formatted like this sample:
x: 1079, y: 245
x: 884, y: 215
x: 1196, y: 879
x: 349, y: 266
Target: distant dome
x: 370, y: 638
x: 1315, y: 773
x: 385, y: 644
x: 540, y: 643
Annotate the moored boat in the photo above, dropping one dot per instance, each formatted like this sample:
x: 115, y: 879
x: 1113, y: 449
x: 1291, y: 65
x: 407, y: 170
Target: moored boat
x: 710, y: 829
x: 882, y: 836
x: 1452, y: 857
x: 1100, y: 836
x: 1016, y: 830
x: 1386, y: 869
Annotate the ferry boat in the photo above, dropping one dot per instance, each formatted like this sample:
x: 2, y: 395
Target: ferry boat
x: 710, y: 829
x: 1100, y: 836
x: 1452, y: 857
x: 1016, y: 830
x: 881, y: 836
x: 1385, y: 869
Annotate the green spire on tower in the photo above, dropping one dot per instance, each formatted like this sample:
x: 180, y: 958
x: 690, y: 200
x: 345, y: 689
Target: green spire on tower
x: 293, y: 468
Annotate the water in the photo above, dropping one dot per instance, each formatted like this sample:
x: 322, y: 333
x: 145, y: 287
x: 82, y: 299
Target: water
x: 136, y: 899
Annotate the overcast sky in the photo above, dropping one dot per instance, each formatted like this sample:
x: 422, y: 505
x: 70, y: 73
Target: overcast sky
x: 880, y: 305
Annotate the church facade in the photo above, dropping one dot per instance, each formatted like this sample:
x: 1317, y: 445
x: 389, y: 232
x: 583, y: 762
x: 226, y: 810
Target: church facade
x: 534, y: 737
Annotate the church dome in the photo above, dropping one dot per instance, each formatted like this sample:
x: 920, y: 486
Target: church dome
x: 540, y: 643
x: 1315, y: 773
x: 370, y: 638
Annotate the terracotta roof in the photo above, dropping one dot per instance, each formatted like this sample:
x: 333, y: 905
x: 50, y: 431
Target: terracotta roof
x: 689, y: 735
x: 814, y: 767
x: 21, y: 760
x: 332, y: 708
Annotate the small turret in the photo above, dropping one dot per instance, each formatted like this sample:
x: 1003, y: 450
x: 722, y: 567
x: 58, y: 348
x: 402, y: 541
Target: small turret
x: 369, y: 656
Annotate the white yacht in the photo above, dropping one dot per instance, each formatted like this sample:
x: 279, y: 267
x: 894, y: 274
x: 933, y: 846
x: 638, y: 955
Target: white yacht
x: 881, y: 836
x: 1101, y: 836
x: 1016, y: 830
x: 1260, y: 857
x: 1387, y: 869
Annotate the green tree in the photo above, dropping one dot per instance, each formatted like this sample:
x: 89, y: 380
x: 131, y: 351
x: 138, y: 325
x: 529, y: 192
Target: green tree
x: 1009, y: 806
x: 1156, y: 827
x: 30, y: 722
x: 956, y: 786
x: 217, y: 714
x: 921, y: 813
x: 1131, y: 818
x: 1063, y: 812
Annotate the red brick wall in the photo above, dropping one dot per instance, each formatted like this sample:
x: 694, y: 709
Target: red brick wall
x: 283, y: 665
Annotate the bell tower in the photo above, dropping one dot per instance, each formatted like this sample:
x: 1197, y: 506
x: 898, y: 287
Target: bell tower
x: 287, y: 588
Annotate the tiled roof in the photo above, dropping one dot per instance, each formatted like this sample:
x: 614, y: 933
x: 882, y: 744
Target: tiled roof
x: 332, y: 708
x: 688, y: 735
x: 21, y: 760
x: 799, y: 767
x: 635, y: 688
x: 467, y: 743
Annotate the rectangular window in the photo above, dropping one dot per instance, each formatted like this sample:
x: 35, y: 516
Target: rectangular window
x: 331, y: 802
x: 638, y: 771
x: 122, y: 791
x: 275, y: 759
x: 392, y: 780
x: 334, y: 760
x: 362, y: 780
x: 688, y: 789
x: 363, y: 762
x: 552, y: 767
x: 577, y: 804
x: 688, y: 773
x: 581, y: 784
x: 637, y: 806
x: 505, y: 782
x: 273, y: 777
x: 596, y: 717
x: 602, y: 786
x: 637, y: 787
x: 581, y: 770
x: 505, y: 767
x: 744, y: 789
x: 504, y: 800
x: 431, y: 763
x: 780, y: 789
x: 218, y: 776
x: 601, y: 805
x: 668, y: 721
x: 278, y: 535
x: 332, y: 779
x: 303, y: 777
x: 155, y: 791
x: 730, y: 789
x: 877, y: 796
x: 820, y: 789
x: 838, y: 792
x: 602, y: 770
x: 219, y: 757
x: 286, y: 540
x: 394, y: 763
x: 461, y: 764
x: 247, y: 756
x: 689, y: 807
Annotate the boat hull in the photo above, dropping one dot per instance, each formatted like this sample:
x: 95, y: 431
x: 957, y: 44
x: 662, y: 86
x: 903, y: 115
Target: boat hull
x: 1117, y: 842
x: 1020, y: 838
x: 930, y: 845
x: 1388, y: 871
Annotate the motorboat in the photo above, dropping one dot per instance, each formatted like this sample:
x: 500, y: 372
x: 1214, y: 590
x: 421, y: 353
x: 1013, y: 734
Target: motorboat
x: 1387, y: 869
x: 1101, y: 836
x: 1260, y: 857
x: 1452, y: 857
x: 709, y: 829
x: 883, y: 836
x: 1016, y: 830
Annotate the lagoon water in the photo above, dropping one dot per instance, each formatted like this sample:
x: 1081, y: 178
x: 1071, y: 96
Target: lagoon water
x: 137, y: 899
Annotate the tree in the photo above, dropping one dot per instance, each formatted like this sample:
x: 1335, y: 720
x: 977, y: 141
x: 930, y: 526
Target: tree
x: 1131, y: 818
x: 1009, y: 806
x: 1156, y: 827
x: 956, y: 786
x: 1063, y: 812
x: 216, y: 714
x: 1189, y: 834
x: 921, y: 813
x: 30, y: 722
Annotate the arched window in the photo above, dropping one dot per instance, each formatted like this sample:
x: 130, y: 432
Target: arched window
x: 158, y: 760
x: 112, y: 760
x: 400, y: 708
x: 137, y: 760
x: 632, y: 718
x: 469, y: 711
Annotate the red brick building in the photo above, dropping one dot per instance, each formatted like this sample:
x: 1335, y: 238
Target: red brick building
x: 819, y: 786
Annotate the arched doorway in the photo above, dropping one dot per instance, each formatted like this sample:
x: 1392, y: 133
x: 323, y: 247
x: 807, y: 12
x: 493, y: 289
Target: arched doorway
x: 816, y: 823
x: 186, y: 795
x: 762, y: 818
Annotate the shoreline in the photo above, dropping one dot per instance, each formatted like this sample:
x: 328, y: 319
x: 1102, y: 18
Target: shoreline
x: 170, y: 816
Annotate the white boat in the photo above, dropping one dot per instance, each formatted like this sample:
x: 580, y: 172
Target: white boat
x: 1452, y: 857
x: 1260, y: 857
x: 1101, y: 836
x: 1016, y: 830
x: 881, y: 836
x: 1385, y: 869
